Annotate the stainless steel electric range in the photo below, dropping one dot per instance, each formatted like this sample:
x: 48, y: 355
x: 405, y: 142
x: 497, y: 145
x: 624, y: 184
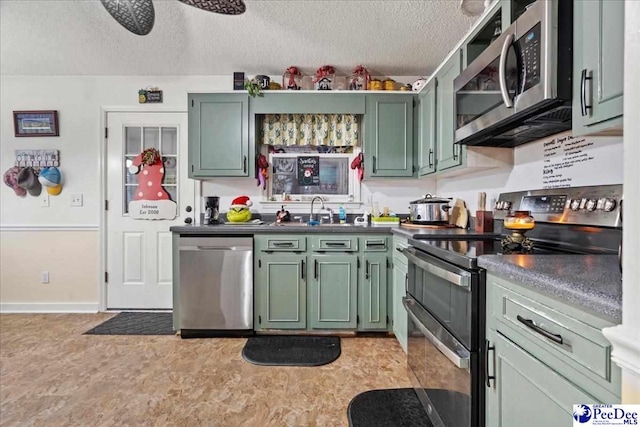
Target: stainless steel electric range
x: 445, y: 299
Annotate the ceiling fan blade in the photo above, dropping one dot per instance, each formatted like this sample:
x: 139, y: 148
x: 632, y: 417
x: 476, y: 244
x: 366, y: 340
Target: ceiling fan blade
x: 136, y: 16
x: 225, y: 7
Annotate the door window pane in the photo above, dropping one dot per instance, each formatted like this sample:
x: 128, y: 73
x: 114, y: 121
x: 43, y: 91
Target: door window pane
x: 152, y: 138
x: 172, y: 191
x: 129, y: 192
x: 170, y: 170
x: 129, y: 178
x: 133, y: 140
x: 169, y: 141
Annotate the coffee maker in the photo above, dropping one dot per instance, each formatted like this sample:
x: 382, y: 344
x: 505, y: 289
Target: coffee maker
x: 211, y: 210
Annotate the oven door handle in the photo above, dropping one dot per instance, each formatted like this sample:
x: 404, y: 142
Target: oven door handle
x: 464, y: 281
x: 460, y: 362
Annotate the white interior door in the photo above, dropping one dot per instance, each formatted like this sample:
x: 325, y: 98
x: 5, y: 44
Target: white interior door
x: 139, y: 263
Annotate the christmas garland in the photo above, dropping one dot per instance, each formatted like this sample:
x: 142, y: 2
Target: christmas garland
x: 150, y: 156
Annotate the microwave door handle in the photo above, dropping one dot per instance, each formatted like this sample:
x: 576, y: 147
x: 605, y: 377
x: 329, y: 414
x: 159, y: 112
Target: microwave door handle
x: 460, y: 362
x: 503, y: 71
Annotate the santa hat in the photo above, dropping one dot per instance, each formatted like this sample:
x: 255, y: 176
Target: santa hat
x: 241, y: 202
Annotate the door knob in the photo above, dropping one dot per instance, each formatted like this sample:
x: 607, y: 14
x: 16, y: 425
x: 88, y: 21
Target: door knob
x: 188, y: 220
x: 188, y: 209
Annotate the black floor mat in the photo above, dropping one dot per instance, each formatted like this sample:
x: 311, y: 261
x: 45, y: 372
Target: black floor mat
x: 291, y: 350
x: 398, y: 407
x: 138, y: 323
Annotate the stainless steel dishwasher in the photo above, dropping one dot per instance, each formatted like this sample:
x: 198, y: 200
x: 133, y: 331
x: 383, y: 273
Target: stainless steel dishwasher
x: 216, y: 286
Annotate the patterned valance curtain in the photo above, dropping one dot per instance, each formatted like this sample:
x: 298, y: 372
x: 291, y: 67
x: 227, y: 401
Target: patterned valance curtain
x: 335, y: 130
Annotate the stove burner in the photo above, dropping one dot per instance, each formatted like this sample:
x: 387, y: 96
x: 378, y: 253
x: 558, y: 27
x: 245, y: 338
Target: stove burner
x: 517, y: 241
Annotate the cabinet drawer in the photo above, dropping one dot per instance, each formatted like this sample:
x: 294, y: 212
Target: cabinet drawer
x: 281, y: 243
x: 374, y: 244
x: 581, y: 346
x: 334, y: 244
x: 399, y: 243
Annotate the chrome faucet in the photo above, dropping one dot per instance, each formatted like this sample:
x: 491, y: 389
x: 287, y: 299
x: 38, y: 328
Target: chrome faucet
x: 312, y: 202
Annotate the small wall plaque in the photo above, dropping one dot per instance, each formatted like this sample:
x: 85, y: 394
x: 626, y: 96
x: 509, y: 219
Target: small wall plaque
x: 150, y: 96
x: 37, y: 159
x: 36, y: 123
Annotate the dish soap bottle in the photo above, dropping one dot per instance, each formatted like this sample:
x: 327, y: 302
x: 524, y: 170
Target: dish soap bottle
x: 342, y: 215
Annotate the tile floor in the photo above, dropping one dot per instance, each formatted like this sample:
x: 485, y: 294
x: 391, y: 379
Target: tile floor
x: 52, y: 375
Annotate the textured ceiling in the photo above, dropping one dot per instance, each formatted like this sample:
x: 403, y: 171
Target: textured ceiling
x: 79, y: 37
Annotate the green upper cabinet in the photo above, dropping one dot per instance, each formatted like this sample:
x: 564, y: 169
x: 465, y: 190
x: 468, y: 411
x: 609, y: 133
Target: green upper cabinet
x: 388, y: 145
x: 281, y: 291
x: 219, y: 135
x: 373, y: 292
x: 447, y: 153
x: 332, y: 291
x: 599, y: 54
x: 427, y: 129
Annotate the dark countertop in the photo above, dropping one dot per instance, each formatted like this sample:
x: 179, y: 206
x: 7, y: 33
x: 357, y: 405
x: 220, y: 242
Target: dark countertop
x: 267, y: 228
x: 437, y: 233
x: 591, y: 282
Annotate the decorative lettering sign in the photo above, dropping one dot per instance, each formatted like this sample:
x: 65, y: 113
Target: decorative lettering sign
x: 571, y: 162
x: 150, y: 96
x: 150, y: 200
x: 309, y: 170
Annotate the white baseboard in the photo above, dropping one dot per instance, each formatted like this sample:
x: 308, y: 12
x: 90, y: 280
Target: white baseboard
x: 49, y: 307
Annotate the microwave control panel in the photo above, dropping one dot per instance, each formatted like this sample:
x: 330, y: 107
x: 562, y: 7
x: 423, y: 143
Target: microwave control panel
x: 529, y: 46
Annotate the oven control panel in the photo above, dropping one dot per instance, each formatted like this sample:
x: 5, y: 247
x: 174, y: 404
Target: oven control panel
x: 596, y: 205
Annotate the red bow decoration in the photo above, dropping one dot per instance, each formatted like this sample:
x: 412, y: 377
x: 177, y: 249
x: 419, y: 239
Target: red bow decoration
x: 323, y: 71
x: 358, y: 163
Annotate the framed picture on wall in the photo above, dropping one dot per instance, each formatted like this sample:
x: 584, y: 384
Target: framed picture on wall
x: 36, y: 123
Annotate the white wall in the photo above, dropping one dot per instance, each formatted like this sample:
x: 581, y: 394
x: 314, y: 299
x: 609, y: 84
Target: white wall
x: 526, y: 173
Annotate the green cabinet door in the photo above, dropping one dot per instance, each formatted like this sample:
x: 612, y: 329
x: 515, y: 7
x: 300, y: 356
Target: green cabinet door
x: 388, y: 144
x: 281, y: 291
x: 526, y: 392
x: 218, y: 135
x: 599, y: 52
x: 400, y: 273
x: 333, y: 291
x: 373, y: 292
x: 427, y: 130
x: 447, y: 153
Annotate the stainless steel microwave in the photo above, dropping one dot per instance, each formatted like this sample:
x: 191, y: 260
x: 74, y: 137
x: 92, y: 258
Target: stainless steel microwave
x: 519, y: 88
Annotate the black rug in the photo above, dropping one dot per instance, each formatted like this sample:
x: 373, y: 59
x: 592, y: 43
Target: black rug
x: 397, y: 407
x: 401, y: 407
x: 130, y: 323
x: 291, y: 350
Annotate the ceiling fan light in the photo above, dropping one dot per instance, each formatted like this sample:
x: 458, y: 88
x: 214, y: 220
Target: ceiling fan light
x: 474, y: 7
x: 136, y: 16
x: 225, y: 7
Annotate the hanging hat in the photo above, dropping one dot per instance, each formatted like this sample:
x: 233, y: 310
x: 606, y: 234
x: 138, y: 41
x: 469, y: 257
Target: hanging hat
x: 27, y: 179
x: 11, y: 179
x: 54, y: 191
x: 49, y: 177
x: 241, y: 202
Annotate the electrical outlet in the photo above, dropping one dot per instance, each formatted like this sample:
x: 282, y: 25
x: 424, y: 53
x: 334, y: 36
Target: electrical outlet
x: 45, y: 277
x: 76, y: 200
x: 44, y: 199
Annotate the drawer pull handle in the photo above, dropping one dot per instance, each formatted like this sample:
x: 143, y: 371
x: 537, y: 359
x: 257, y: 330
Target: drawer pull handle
x: 529, y: 324
x: 340, y: 244
x: 375, y: 244
x: 283, y: 244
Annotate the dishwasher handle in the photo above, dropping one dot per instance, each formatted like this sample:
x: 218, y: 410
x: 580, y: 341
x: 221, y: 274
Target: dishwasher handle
x: 215, y: 248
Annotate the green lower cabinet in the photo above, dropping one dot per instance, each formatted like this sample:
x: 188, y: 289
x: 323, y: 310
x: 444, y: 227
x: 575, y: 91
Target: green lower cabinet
x: 373, y: 292
x: 526, y: 392
x: 281, y: 291
x: 400, y: 273
x: 333, y: 284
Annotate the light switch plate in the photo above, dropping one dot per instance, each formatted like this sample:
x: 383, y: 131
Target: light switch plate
x: 44, y: 199
x: 76, y: 200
